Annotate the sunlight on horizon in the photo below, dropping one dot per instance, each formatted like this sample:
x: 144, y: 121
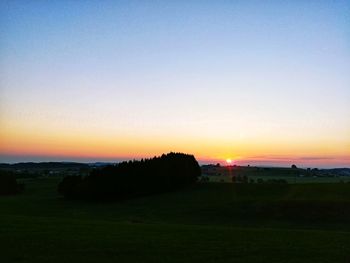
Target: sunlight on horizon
x: 260, y: 83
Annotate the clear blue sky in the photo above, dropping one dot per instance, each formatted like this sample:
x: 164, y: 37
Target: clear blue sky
x: 220, y: 79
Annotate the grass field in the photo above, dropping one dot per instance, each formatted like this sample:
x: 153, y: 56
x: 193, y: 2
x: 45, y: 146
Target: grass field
x: 208, y: 222
x: 288, y: 179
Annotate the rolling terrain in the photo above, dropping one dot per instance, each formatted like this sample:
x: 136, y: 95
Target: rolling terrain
x: 211, y: 222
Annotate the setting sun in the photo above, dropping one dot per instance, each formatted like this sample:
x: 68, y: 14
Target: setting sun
x: 229, y: 161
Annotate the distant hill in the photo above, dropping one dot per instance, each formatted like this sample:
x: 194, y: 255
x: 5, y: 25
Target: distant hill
x: 338, y: 171
x: 217, y: 170
x: 44, y: 165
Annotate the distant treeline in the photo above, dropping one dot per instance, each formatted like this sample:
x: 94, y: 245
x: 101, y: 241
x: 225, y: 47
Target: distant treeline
x: 44, y: 165
x: 134, y: 178
x: 8, y: 183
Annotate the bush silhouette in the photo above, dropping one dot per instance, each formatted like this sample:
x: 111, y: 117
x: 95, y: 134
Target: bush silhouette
x: 134, y: 178
x: 8, y: 183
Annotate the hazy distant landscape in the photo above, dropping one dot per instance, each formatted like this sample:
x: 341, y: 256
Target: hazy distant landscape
x: 214, y: 172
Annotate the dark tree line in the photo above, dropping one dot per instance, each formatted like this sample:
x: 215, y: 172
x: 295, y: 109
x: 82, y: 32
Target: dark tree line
x: 43, y: 165
x: 8, y: 183
x: 134, y: 178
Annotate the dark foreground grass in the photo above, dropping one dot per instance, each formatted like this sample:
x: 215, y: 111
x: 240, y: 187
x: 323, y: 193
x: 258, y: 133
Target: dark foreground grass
x: 37, y: 239
x: 211, y: 223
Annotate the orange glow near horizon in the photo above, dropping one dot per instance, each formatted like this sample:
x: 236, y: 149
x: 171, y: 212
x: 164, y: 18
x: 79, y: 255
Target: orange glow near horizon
x: 90, y: 146
x: 28, y: 137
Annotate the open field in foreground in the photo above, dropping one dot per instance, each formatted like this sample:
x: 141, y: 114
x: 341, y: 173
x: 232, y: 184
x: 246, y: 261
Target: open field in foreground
x: 209, y: 222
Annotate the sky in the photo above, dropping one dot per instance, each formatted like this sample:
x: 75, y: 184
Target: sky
x: 259, y: 82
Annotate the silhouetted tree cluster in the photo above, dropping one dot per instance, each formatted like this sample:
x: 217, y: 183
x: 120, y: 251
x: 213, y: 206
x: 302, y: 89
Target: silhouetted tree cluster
x: 8, y: 183
x: 134, y: 178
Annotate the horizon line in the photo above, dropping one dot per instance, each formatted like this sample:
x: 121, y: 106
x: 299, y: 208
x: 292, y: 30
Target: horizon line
x: 263, y: 161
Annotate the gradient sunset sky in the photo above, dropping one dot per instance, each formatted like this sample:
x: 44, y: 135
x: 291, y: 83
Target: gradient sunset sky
x: 260, y: 82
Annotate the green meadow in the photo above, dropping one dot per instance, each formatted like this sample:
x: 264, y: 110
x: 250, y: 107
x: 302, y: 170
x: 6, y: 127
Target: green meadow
x: 208, y: 222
